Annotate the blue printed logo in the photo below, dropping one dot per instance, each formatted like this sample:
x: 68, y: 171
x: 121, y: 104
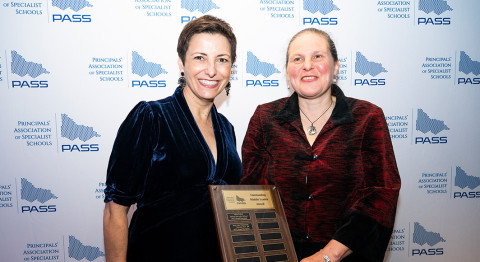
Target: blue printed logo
x: 421, y: 237
x: 201, y: 5
x: 71, y: 131
x: 436, y: 6
x: 22, y: 67
x: 363, y: 67
x: 427, y: 124
x: 75, y: 5
x: 462, y: 180
x: 142, y: 68
x: 31, y: 193
x: 322, y: 6
x: 256, y: 68
x: 468, y: 66
x: 78, y: 251
x: 466, y: 182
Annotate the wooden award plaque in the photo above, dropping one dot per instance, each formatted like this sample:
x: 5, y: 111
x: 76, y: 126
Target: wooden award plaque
x: 251, y: 224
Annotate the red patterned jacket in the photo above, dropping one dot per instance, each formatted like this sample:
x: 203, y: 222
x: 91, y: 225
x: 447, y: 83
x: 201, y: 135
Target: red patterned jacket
x: 343, y: 187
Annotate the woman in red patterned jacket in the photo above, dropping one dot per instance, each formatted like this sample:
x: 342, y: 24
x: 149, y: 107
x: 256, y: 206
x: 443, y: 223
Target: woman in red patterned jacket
x: 330, y: 156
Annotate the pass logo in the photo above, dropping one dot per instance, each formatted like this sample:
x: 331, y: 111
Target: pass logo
x: 256, y: 67
x: 72, y: 131
x: 425, y: 124
x: 27, y: 70
x: 33, y: 194
x: 73, y: 5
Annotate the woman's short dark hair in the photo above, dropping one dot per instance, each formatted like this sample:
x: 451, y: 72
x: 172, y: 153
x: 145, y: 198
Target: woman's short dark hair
x: 331, y: 44
x: 206, y: 24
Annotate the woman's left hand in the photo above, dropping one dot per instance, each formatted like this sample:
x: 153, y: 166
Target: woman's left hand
x: 334, y: 251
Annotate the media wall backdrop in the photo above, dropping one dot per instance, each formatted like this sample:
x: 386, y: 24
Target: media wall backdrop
x: 71, y: 70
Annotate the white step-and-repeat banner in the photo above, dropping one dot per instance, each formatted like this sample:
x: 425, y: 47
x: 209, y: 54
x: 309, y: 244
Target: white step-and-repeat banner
x: 71, y: 70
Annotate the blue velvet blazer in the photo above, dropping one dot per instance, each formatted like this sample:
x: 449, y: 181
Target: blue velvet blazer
x: 161, y: 161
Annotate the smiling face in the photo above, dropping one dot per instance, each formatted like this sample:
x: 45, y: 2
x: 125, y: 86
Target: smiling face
x: 207, y: 65
x: 310, y: 65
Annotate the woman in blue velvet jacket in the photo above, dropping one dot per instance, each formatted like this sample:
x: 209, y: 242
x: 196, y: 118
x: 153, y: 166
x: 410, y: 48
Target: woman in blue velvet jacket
x: 166, y: 154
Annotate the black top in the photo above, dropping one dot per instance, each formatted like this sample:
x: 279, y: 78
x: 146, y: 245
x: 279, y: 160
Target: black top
x: 161, y: 161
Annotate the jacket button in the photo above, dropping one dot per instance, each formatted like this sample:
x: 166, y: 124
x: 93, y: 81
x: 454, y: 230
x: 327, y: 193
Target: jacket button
x: 310, y: 197
x: 315, y: 157
x: 307, y: 236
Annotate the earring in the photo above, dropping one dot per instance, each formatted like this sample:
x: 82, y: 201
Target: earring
x: 335, y: 79
x: 227, y: 88
x: 181, y: 80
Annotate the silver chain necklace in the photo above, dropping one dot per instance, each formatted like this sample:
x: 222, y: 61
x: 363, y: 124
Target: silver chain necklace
x: 312, y: 130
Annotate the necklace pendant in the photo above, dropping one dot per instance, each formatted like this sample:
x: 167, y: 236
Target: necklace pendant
x: 312, y: 130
